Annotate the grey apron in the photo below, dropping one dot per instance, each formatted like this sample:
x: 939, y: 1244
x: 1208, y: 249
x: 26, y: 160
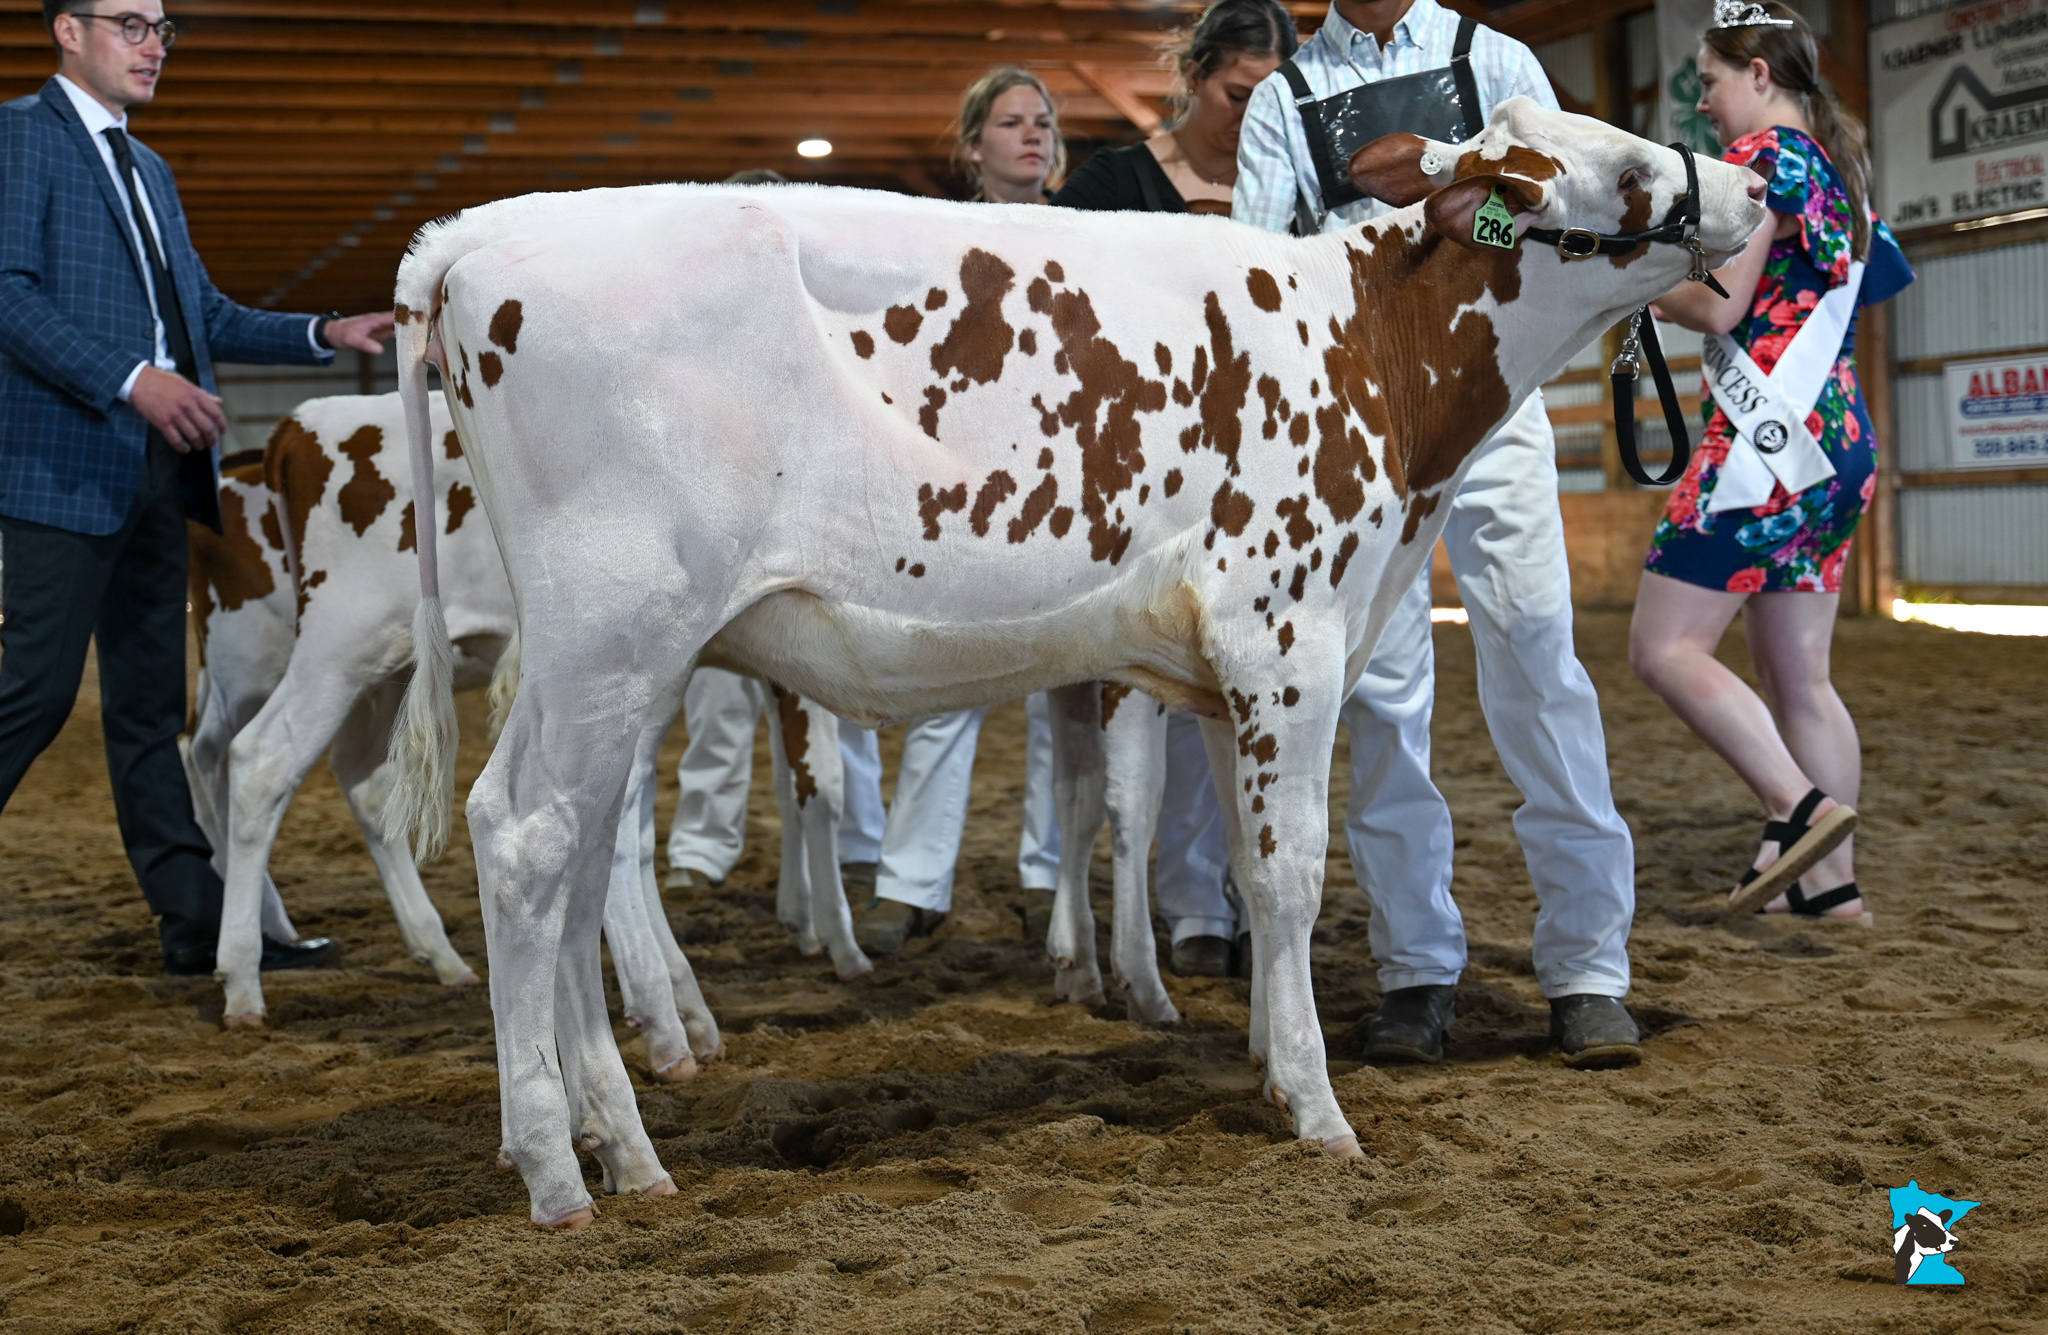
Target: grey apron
x: 1440, y: 104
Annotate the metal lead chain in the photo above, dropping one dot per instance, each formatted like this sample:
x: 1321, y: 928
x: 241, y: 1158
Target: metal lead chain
x: 1630, y: 362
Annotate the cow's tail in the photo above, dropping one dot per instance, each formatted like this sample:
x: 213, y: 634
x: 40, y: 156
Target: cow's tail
x: 423, y: 744
x: 504, y: 684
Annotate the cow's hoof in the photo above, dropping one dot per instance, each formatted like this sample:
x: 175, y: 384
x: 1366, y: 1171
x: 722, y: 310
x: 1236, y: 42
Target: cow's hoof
x: 713, y: 1055
x: 1164, y: 1013
x: 582, y: 1217
x: 1279, y: 1097
x: 847, y: 975
x: 505, y: 1162
x: 677, y: 1071
x: 661, y: 1186
x: 242, y: 1020
x: 1342, y: 1147
x: 467, y: 978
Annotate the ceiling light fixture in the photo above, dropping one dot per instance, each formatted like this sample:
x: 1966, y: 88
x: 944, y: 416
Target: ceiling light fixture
x: 814, y: 148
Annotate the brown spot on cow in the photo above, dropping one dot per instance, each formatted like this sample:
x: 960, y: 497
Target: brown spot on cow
x: 408, y: 532
x: 1103, y: 412
x: 490, y: 368
x: 296, y: 470
x: 404, y: 314
x: 1286, y: 636
x: 928, y: 415
x: 1055, y: 272
x: 1062, y: 519
x: 451, y: 445
x: 1342, y: 560
x: 1225, y: 389
x: 1301, y: 328
x: 461, y: 500
x: 1162, y: 357
x: 1526, y: 163
x: 1634, y: 218
x: 1170, y: 484
x: 1230, y: 509
x: 931, y: 504
x: 1272, y: 544
x: 1036, y: 506
x: 902, y: 323
x: 980, y: 338
x: 367, y: 492
x: 1315, y: 559
x: 999, y: 488
x: 863, y: 344
x: 1298, y: 583
x: 273, y: 531
x: 230, y: 563
x: 935, y: 298
x: 1027, y: 342
x: 306, y: 587
x: 1266, y: 843
x: 796, y: 743
x: 1299, y: 528
x: 1378, y: 516
x: 1269, y: 394
x: 504, y: 329
x: 1297, y: 430
x: 1420, y: 507
x: 1290, y: 697
x: 1265, y: 292
x: 1113, y: 694
x: 917, y: 571
x: 1044, y: 456
x: 1343, y: 463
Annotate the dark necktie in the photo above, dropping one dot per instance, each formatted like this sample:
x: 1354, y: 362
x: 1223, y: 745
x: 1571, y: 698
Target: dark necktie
x: 176, y: 340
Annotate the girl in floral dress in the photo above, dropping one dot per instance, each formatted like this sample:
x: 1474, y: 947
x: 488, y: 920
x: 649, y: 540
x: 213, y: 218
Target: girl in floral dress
x: 1779, y: 563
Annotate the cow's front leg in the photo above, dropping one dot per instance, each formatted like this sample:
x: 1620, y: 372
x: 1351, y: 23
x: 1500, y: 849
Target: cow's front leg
x: 1272, y: 757
x: 1079, y: 786
x: 1134, y: 737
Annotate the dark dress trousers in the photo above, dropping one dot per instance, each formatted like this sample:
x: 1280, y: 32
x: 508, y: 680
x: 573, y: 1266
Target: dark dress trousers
x: 93, y: 502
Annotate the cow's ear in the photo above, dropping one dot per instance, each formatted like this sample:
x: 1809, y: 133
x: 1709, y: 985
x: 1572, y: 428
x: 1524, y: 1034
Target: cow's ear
x: 1452, y: 210
x: 1391, y: 169
x: 1945, y: 1217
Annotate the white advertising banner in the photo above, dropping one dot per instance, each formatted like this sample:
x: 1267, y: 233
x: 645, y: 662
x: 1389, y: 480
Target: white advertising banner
x: 1998, y: 411
x: 1960, y: 100
x: 1679, y: 25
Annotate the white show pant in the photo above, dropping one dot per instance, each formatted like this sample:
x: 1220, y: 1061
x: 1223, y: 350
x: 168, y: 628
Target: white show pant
x: 1505, y: 539
x: 915, y: 849
x: 720, y: 709
x: 1194, y: 855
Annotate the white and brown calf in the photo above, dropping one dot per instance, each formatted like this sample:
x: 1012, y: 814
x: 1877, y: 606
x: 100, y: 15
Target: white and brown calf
x: 304, y: 610
x: 904, y: 456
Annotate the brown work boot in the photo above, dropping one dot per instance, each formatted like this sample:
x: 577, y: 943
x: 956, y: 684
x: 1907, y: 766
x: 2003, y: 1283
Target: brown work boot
x: 888, y: 924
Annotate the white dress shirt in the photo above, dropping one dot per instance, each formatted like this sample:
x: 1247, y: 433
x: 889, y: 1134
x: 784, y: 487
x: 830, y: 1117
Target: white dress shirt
x: 1274, y: 165
x: 98, y: 120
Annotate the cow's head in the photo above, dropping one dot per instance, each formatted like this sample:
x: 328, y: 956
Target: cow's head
x: 1556, y: 171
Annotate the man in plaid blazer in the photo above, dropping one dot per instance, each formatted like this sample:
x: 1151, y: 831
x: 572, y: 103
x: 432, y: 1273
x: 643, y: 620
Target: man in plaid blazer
x: 109, y: 328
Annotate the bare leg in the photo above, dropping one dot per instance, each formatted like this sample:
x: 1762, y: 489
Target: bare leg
x: 1079, y: 795
x: 365, y: 776
x: 1791, y: 636
x: 1672, y: 639
x: 1134, y: 743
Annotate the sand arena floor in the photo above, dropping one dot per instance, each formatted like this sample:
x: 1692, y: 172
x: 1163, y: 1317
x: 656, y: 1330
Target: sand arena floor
x: 940, y: 1149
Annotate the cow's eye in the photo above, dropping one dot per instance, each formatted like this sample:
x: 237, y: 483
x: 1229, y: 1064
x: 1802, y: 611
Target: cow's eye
x: 1633, y: 178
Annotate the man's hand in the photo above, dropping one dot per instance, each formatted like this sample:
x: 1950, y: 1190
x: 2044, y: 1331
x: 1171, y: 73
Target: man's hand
x: 364, y: 333
x: 188, y: 417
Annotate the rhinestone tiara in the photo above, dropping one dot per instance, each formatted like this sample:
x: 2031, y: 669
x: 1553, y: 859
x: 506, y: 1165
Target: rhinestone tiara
x: 1744, y: 14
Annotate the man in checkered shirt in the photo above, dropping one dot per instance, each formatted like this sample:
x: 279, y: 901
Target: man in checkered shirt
x: 1506, y: 545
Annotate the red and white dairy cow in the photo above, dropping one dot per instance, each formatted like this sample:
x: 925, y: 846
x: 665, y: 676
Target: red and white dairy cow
x: 905, y: 456
x: 304, y: 608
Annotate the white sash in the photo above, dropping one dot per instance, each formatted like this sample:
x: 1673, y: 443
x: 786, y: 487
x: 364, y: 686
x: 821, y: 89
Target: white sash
x: 1769, y: 413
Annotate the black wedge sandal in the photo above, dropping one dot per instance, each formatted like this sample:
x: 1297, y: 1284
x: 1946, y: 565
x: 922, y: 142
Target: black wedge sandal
x: 1802, y: 841
x: 1815, y: 908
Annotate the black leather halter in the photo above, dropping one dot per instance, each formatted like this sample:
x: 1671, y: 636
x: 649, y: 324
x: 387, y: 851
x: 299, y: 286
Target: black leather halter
x: 1680, y: 227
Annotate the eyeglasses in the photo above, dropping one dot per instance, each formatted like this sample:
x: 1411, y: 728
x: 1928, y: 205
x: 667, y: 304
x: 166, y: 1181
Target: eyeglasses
x: 135, y: 29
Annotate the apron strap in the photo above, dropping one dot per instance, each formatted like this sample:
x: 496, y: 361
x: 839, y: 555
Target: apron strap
x: 1307, y: 212
x: 1461, y: 70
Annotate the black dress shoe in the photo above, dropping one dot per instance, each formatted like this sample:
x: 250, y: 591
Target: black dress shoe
x: 1410, y: 1025
x: 1202, y: 957
x: 185, y: 960
x: 1595, y: 1032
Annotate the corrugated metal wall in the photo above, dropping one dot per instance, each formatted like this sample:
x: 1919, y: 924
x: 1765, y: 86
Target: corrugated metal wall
x: 1966, y: 305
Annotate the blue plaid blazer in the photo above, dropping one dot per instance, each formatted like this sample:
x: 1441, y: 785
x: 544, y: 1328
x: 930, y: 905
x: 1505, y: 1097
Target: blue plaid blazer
x: 74, y: 319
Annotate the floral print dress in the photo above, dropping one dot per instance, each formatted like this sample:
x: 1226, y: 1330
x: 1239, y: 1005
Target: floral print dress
x: 1790, y: 542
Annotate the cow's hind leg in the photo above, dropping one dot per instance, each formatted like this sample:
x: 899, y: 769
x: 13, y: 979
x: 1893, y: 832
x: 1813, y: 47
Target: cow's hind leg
x: 817, y: 780
x: 1079, y: 795
x: 542, y: 820
x: 786, y: 727
x: 1272, y: 759
x: 645, y: 986
x: 360, y: 763
x: 1134, y: 738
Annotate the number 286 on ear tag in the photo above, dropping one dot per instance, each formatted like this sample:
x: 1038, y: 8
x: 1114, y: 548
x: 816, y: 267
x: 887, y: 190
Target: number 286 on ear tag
x: 1493, y: 225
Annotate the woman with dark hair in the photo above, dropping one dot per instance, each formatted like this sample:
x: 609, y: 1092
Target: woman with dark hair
x: 1763, y: 519
x: 1192, y: 167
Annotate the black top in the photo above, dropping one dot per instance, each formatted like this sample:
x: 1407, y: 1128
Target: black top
x: 1122, y: 178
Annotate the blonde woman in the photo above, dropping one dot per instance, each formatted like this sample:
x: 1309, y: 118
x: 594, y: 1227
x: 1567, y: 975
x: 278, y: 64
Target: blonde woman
x: 1009, y: 137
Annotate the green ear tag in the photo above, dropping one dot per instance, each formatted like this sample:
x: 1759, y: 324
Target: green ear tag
x: 1493, y: 225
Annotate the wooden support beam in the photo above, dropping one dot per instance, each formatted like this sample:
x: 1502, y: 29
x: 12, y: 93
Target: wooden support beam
x: 1119, y: 94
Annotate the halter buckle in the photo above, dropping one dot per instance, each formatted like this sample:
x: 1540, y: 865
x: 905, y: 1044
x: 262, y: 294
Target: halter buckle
x: 1578, y: 243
